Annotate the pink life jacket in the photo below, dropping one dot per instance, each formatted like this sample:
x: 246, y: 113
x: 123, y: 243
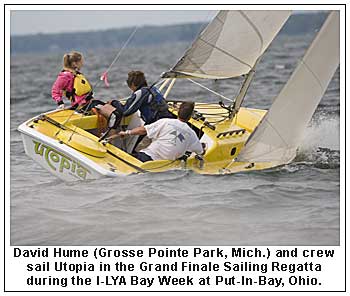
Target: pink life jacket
x: 63, y: 86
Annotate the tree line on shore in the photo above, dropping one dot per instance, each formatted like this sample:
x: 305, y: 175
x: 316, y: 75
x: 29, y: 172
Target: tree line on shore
x: 145, y: 36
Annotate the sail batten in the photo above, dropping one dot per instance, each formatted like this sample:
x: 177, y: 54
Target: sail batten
x: 231, y: 44
x: 281, y: 131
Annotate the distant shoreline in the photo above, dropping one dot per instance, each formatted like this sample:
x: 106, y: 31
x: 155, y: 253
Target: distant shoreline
x: 146, y: 36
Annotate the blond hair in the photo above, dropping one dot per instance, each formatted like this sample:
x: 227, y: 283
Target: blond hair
x: 70, y: 58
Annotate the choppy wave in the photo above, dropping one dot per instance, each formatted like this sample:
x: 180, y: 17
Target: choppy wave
x: 321, y: 145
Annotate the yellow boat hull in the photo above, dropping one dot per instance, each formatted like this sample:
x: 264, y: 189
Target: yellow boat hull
x: 62, y: 141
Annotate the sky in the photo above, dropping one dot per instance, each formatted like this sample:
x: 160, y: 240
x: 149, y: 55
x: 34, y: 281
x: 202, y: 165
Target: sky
x: 55, y: 21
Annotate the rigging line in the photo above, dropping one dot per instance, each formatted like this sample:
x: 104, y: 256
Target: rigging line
x: 67, y: 119
x: 214, y: 114
x: 217, y: 121
x: 199, y: 33
x: 154, y: 84
x: 159, y: 82
x: 216, y: 117
x: 200, y: 108
x: 98, y: 81
x: 62, y: 126
x: 206, y: 105
x: 115, y: 60
x: 123, y: 47
x: 208, y: 89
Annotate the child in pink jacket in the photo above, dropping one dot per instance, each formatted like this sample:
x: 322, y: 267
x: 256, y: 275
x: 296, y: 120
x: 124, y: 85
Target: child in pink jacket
x: 64, y: 84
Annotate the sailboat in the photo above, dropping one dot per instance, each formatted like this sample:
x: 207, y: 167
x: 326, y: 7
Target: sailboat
x: 238, y: 139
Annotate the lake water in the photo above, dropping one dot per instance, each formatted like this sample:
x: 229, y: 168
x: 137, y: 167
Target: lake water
x: 297, y: 204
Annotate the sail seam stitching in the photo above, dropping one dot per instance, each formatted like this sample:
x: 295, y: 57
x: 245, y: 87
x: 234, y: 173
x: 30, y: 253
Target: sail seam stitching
x: 198, y: 67
x: 313, y: 74
x: 254, y: 28
x: 270, y: 124
x: 219, y: 20
x: 225, y: 52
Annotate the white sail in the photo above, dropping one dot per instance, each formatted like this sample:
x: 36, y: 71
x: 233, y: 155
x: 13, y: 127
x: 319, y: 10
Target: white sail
x: 230, y: 45
x: 281, y: 130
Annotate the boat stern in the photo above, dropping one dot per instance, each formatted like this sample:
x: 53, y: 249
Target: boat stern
x: 57, y: 158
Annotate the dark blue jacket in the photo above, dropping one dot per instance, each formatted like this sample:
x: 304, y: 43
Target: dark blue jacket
x: 150, y: 102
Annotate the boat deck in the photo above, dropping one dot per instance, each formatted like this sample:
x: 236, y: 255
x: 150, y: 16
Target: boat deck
x: 73, y: 136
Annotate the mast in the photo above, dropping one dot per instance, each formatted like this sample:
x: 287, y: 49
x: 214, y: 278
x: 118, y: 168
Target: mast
x: 236, y: 105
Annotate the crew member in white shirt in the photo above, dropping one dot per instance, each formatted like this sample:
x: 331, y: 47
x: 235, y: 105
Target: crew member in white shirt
x: 171, y: 138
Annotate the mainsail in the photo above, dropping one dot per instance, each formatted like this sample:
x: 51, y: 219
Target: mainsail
x: 281, y: 130
x: 230, y: 45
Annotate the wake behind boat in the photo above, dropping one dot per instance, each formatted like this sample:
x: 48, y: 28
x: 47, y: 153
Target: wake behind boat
x: 67, y: 144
